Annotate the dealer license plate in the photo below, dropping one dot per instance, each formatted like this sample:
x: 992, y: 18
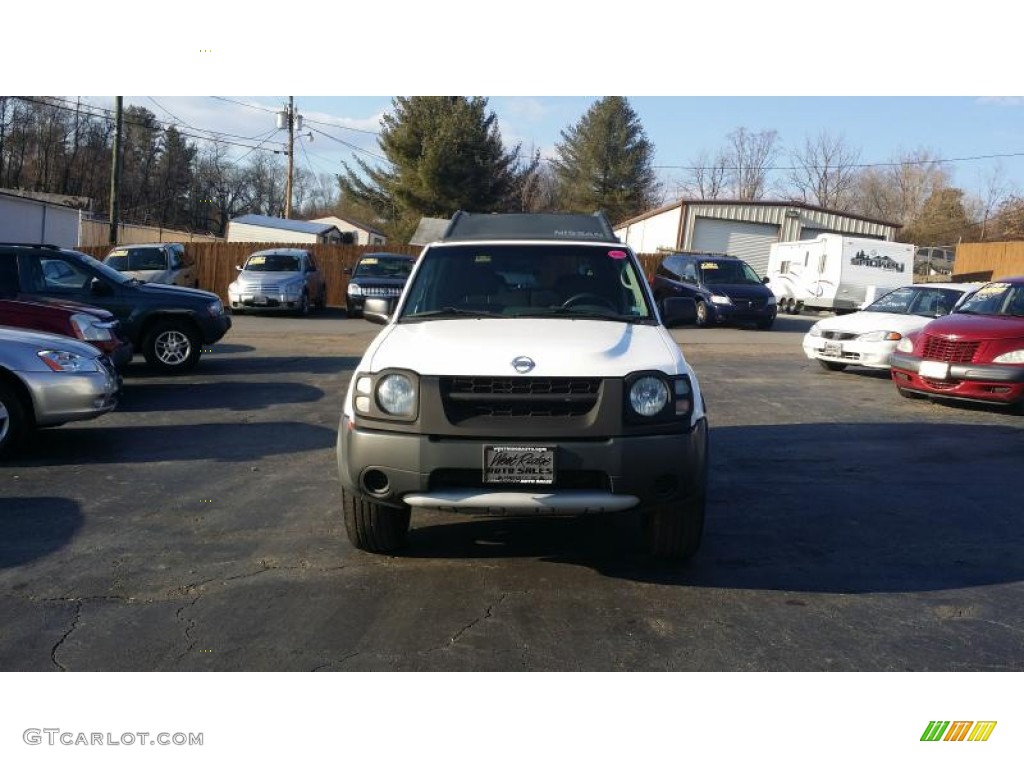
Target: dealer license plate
x: 932, y: 369
x: 833, y: 350
x: 526, y: 464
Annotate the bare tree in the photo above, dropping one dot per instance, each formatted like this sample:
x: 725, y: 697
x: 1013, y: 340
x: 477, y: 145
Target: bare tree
x: 898, y: 190
x: 750, y: 157
x: 706, y: 178
x: 825, y: 170
x: 995, y: 190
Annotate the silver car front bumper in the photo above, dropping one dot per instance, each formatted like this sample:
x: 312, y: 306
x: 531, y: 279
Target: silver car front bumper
x: 58, y: 398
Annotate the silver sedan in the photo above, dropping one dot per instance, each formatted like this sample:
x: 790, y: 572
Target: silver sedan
x: 47, y: 380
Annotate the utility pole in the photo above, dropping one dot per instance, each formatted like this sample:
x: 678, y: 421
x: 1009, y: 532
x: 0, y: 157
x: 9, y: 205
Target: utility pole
x: 291, y: 158
x: 115, y: 172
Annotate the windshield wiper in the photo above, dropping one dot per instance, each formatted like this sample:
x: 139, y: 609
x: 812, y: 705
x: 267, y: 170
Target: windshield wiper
x: 451, y: 312
x: 588, y: 314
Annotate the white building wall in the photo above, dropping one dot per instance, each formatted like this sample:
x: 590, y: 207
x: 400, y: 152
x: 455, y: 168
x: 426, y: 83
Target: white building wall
x: 251, y: 233
x: 651, y: 234
x: 363, y: 237
x: 23, y: 220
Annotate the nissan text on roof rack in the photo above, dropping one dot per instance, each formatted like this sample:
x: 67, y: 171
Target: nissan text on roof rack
x: 525, y: 370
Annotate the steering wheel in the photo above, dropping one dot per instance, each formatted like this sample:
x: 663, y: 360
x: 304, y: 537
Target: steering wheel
x: 589, y: 298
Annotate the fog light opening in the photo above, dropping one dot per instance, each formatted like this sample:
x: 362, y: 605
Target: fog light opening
x: 376, y: 482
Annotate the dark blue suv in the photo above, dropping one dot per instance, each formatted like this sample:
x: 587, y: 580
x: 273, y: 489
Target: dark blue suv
x: 726, y: 289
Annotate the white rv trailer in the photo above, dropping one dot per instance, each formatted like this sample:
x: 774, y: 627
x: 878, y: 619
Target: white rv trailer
x: 837, y: 272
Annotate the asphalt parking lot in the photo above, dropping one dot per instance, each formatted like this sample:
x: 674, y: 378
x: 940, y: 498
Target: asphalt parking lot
x: 198, y: 527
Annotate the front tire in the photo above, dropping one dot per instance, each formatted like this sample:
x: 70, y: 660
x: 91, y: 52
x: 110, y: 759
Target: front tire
x: 14, y: 420
x: 703, y: 316
x: 171, y: 347
x: 303, y: 309
x: 374, y: 527
x: 674, y: 531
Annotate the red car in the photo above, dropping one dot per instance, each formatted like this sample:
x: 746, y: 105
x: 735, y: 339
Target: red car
x: 974, y: 353
x: 90, y: 324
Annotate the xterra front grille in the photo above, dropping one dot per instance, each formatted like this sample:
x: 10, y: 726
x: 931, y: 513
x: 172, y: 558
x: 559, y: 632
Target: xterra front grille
x: 465, y: 397
x: 939, y: 348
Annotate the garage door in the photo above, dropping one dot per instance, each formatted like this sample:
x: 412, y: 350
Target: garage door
x: 750, y: 242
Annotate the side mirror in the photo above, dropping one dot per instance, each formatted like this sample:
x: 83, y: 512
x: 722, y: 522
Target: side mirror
x: 765, y: 280
x: 679, y: 310
x: 378, y: 311
x: 100, y: 288
x: 238, y: 267
x: 347, y: 271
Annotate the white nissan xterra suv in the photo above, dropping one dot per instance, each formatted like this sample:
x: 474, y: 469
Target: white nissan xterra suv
x: 525, y: 370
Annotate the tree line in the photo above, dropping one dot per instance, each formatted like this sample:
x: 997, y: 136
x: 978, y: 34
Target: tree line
x: 445, y: 153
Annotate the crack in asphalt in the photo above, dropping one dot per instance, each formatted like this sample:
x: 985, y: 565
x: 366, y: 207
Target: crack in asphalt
x: 196, y: 588
x: 486, y: 615
x: 339, y: 662
x: 65, y: 636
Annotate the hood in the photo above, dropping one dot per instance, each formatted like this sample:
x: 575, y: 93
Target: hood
x: 69, y: 306
x: 562, y: 347
x: 864, y: 322
x: 177, y: 291
x: 47, y: 341
x: 147, y: 275
x: 746, y: 291
x: 962, y: 327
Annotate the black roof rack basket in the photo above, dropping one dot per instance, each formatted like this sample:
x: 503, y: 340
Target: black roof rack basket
x: 530, y: 226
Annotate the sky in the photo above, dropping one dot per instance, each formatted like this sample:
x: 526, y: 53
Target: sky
x: 884, y: 75
x: 978, y: 136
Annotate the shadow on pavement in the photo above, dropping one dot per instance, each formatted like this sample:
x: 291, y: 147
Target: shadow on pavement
x: 208, y: 442
x: 33, y: 527
x: 227, y: 395
x: 212, y: 365
x: 918, y: 507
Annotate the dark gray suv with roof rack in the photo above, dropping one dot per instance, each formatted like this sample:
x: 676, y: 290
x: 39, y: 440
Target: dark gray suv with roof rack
x: 524, y: 371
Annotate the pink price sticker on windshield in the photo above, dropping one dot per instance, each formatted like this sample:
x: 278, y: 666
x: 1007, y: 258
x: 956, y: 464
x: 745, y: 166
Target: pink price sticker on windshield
x: 616, y: 254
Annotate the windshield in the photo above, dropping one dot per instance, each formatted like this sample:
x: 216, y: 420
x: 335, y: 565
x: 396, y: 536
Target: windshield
x: 996, y: 299
x: 136, y: 259
x: 374, y: 266
x: 272, y: 262
x: 527, y: 280
x: 911, y: 300
x: 728, y: 273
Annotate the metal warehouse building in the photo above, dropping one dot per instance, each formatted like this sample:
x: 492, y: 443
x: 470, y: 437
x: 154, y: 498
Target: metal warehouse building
x: 741, y: 228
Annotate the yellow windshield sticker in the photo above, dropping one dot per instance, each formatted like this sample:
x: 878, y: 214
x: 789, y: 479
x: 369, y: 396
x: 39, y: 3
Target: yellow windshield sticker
x: 119, y: 252
x: 256, y: 260
x: 709, y: 265
x: 483, y: 258
x: 369, y: 260
x: 992, y: 288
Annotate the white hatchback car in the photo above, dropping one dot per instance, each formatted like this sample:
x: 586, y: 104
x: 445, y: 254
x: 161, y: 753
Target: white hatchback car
x: 869, y: 337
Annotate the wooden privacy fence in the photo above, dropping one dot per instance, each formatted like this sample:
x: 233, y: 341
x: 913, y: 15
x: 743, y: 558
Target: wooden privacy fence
x: 989, y: 261
x: 216, y: 262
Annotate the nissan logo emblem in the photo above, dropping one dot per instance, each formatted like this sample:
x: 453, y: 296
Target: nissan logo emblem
x: 523, y: 364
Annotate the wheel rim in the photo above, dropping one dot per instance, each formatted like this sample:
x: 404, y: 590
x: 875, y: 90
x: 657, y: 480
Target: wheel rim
x: 5, y: 421
x: 172, y: 347
x: 702, y: 313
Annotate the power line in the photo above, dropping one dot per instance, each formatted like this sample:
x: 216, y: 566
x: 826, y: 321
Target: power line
x: 350, y: 145
x: 344, y: 127
x: 243, y: 104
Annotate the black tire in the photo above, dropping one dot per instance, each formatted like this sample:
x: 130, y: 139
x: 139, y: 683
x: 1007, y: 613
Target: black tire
x: 14, y: 419
x: 910, y: 394
x: 303, y: 308
x: 172, y: 346
x: 351, y: 311
x: 764, y: 325
x: 674, y: 531
x: 374, y: 527
x: 321, y: 302
x: 703, y: 317
x: 830, y: 366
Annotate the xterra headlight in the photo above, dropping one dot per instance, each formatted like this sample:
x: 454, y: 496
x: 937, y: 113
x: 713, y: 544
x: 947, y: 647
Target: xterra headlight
x: 653, y: 397
x: 387, y: 395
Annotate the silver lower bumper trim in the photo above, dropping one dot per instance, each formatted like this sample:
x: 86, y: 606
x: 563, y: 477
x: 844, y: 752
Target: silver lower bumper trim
x: 521, y: 502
